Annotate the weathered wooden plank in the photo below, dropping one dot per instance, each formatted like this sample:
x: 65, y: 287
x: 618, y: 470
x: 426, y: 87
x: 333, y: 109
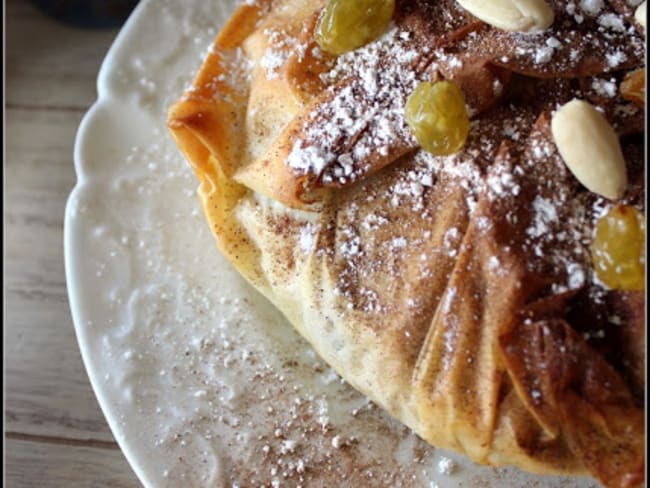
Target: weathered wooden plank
x: 49, y: 64
x: 47, y: 389
x: 45, y: 464
x: 57, y: 433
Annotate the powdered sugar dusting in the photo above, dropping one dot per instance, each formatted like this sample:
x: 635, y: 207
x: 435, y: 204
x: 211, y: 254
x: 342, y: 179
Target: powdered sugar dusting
x: 280, y: 47
x: 545, y: 215
x: 363, y: 111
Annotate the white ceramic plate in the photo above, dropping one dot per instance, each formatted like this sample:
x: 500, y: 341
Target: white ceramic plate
x: 202, y: 382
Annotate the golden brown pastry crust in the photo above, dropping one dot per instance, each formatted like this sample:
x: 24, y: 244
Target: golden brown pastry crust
x: 440, y: 301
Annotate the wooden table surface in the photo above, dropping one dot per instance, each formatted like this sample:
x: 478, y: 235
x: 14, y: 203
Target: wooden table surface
x: 55, y: 432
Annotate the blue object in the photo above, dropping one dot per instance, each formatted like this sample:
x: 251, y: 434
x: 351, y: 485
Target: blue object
x: 96, y: 14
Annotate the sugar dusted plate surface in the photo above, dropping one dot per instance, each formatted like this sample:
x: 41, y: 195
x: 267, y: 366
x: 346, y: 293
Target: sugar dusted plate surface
x: 201, y: 380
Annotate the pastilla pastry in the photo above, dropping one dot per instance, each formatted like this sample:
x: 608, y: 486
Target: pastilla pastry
x: 446, y: 200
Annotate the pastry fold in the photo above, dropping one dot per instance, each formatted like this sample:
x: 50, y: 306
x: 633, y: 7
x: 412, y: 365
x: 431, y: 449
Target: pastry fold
x: 443, y: 288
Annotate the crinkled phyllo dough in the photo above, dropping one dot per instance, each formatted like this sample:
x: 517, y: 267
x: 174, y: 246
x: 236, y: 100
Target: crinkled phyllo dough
x: 457, y: 292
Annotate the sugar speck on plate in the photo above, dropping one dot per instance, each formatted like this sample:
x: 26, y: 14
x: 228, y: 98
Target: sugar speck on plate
x: 446, y: 465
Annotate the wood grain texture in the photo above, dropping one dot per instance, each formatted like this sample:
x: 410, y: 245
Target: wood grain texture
x: 56, y: 434
x: 48, y: 64
x: 57, y: 399
x: 44, y: 464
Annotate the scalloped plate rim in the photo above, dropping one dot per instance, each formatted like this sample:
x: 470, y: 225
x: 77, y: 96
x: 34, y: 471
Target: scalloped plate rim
x: 104, y: 97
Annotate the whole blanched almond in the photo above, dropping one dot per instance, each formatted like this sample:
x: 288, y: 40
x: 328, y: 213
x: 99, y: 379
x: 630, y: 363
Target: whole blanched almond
x: 512, y: 15
x: 640, y: 13
x: 590, y: 148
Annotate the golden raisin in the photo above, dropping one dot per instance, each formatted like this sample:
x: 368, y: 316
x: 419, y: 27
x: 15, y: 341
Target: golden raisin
x: 345, y: 25
x: 437, y: 116
x: 633, y: 87
x: 618, y: 248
